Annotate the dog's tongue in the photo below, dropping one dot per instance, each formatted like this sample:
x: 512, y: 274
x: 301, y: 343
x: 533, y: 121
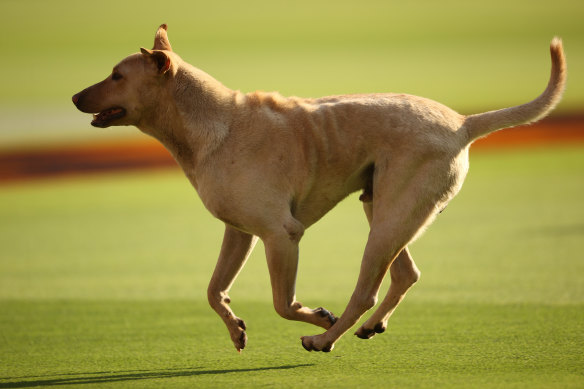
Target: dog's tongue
x: 104, y: 115
x: 103, y: 118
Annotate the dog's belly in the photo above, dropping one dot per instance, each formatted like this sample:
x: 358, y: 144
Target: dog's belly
x: 312, y: 212
x: 328, y: 192
x: 314, y: 208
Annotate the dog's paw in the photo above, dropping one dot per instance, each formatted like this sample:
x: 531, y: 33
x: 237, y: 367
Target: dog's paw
x: 368, y: 333
x: 316, y: 343
x: 329, y: 317
x: 238, y: 335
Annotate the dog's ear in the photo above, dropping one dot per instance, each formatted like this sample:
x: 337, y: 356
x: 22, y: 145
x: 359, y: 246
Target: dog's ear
x: 160, y: 58
x: 161, y: 39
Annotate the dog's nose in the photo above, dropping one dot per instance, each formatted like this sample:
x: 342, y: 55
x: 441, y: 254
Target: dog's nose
x: 75, y: 98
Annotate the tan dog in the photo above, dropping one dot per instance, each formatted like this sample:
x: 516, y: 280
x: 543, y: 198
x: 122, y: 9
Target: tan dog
x: 270, y: 167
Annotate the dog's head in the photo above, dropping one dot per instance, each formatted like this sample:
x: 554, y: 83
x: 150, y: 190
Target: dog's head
x: 129, y: 91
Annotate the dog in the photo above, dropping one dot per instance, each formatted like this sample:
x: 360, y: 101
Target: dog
x: 270, y: 166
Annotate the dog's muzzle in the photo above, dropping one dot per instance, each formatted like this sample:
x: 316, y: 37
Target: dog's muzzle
x: 103, y: 118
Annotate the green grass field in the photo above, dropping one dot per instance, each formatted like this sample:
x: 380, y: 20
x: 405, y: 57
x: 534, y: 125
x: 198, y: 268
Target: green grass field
x: 103, y: 280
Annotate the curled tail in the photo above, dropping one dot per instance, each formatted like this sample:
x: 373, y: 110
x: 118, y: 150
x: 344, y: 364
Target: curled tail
x: 482, y: 124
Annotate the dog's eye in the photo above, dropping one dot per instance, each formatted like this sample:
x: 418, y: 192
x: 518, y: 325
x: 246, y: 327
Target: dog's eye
x: 116, y: 76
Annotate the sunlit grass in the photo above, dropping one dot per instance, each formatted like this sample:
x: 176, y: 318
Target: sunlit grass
x: 103, y: 280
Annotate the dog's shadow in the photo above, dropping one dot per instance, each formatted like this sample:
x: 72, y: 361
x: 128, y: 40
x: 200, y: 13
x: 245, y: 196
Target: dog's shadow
x: 127, y: 375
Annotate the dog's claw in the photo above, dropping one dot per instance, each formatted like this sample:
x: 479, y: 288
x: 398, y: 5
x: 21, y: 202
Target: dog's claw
x: 238, y: 336
x: 241, y: 342
x: 308, y: 342
x: 325, y: 313
x: 379, y: 328
x: 306, y: 347
x: 368, y: 333
x: 364, y: 333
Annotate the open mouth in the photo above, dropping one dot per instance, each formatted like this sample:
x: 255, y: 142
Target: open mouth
x: 104, y: 118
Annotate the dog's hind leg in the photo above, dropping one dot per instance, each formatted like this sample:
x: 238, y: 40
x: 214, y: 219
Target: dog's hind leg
x: 404, y: 273
x: 236, y: 248
x: 402, y: 204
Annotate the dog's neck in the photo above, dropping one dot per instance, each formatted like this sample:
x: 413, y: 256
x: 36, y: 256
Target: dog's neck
x: 194, y: 119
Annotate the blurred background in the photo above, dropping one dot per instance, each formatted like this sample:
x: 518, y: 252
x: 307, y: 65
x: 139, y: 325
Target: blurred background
x: 471, y: 56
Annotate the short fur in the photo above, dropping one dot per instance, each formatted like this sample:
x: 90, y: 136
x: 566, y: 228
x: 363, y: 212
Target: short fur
x: 271, y: 166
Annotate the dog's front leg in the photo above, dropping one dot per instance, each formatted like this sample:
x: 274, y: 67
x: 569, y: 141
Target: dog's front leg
x: 282, y: 256
x: 236, y: 248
